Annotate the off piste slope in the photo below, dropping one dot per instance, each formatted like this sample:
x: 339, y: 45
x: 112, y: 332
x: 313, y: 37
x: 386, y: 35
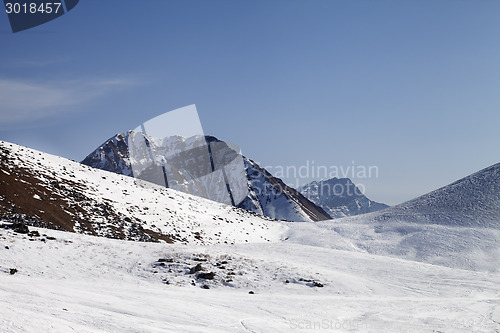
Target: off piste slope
x: 473, y: 201
x: 339, y: 197
x: 456, y: 226
x: 267, y: 195
x: 52, y: 192
x: 67, y: 282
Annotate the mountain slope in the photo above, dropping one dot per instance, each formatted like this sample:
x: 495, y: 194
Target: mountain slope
x: 339, y: 197
x: 49, y: 191
x: 59, y: 281
x: 267, y: 195
x: 456, y: 226
x: 473, y: 201
x: 79, y: 283
x: 270, y: 196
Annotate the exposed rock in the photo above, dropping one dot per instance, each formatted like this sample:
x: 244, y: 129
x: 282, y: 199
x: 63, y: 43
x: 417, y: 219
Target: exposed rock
x: 18, y: 227
x: 206, y: 276
x: 169, y: 260
x: 195, y: 269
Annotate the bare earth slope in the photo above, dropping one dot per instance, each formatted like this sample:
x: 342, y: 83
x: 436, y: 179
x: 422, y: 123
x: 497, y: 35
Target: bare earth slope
x: 49, y: 191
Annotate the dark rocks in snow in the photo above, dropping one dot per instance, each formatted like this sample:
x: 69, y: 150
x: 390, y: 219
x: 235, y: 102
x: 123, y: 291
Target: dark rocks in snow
x: 310, y: 283
x: 13, y: 271
x: 169, y: 260
x: 202, y: 269
x: 6, y: 247
x: 34, y: 233
x: 251, y: 292
x: 195, y: 269
x: 18, y: 227
x: 206, y: 276
x: 51, y: 238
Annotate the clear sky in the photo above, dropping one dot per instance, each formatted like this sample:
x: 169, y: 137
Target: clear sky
x: 411, y: 87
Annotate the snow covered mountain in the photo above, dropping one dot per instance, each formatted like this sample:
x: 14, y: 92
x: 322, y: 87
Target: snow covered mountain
x: 429, y: 265
x: 457, y: 225
x: 43, y: 190
x: 473, y: 201
x: 339, y: 197
x: 267, y: 195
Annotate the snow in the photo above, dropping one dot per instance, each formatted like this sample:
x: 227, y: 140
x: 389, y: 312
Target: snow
x: 456, y: 226
x: 265, y: 195
x: 156, y: 208
x: 91, y: 284
x: 397, y: 270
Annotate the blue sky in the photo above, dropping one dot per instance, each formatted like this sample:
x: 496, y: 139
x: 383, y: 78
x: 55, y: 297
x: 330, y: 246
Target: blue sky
x: 412, y: 87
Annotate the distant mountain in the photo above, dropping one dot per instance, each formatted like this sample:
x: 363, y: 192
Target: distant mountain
x: 43, y: 190
x: 339, y: 197
x: 267, y: 195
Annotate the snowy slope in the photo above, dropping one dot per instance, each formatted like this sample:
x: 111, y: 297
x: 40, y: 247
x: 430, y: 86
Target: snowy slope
x: 74, y: 282
x: 49, y: 191
x: 267, y: 195
x: 339, y: 197
x: 473, y: 201
x: 456, y: 226
x: 429, y: 265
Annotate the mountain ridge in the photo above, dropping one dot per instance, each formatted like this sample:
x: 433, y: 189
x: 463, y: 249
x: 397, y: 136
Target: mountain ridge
x: 457, y: 225
x: 473, y: 200
x: 48, y: 191
x: 267, y: 195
